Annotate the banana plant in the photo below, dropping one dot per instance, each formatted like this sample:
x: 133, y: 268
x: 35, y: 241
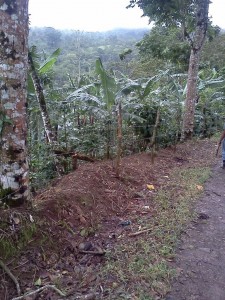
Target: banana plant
x: 105, y: 98
x: 108, y: 84
x: 210, y: 105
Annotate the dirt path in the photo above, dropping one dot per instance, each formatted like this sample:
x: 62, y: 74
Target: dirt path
x: 201, y: 253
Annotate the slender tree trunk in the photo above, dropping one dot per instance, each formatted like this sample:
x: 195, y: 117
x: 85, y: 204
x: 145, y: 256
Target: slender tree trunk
x: 204, y: 122
x: 119, y: 140
x: 108, y: 140
x: 196, y: 46
x: 51, y: 137
x: 50, y: 133
x: 191, y: 97
x: 154, y: 134
x: 14, y: 181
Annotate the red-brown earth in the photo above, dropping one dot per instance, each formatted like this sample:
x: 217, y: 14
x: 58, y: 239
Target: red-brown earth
x: 91, y: 210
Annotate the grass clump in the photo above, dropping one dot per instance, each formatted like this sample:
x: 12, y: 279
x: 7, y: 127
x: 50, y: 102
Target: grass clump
x: 16, y: 231
x: 138, y: 268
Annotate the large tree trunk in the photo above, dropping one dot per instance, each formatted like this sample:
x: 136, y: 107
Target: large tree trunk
x: 196, y: 46
x: 13, y: 101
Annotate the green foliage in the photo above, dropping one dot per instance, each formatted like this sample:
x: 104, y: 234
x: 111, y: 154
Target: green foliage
x: 167, y: 44
x: 44, y: 69
x: 80, y: 50
x: 13, y: 241
x: 213, y: 52
x: 86, y: 119
x: 108, y: 85
x: 123, y: 55
x: 169, y: 12
x: 49, y: 62
x: 42, y: 164
x: 210, y: 106
x: 84, y: 111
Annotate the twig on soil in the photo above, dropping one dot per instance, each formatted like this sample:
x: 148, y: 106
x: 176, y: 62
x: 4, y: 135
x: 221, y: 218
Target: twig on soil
x: 91, y: 296
x: 22, y: 264
x: 9, y: 273
x: 92, y: 252
x: 139, y: 232
x: 48, y: 286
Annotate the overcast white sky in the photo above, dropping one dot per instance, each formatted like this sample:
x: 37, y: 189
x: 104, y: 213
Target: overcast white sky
x: 98, y: 15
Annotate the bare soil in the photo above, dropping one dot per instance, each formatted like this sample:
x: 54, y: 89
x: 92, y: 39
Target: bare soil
x: 84, y: 214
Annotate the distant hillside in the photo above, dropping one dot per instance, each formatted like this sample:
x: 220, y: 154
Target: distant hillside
x: 80, y: 49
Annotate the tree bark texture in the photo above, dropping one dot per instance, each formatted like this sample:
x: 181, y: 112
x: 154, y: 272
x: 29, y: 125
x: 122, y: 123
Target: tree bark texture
x: 189, y: 108
x: 13, y: 101
x: 196, y: 46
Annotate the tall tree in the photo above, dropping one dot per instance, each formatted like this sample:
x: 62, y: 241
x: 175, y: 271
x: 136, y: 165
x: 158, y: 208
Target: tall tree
x: 13, y: 97
x: 197, y: 43
x: 191, y: 16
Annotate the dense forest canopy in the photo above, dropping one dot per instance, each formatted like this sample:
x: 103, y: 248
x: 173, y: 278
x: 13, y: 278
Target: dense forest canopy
x: 81, y: 49
x: 158, y: 47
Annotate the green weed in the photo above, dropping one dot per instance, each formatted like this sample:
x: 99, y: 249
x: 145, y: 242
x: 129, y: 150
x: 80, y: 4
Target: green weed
x: 11, y: 243
x: 143, y: 263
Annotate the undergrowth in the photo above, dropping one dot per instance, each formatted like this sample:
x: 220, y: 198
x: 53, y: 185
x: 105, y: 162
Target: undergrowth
x: 139, y: 268
x: 16, y: 232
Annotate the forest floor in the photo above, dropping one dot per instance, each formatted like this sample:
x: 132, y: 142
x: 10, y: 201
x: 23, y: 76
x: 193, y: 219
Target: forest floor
x: 158, y: 228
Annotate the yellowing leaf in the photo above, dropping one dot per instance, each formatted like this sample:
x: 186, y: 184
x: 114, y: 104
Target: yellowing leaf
x: 38, y: 282
x: 84, y: 232
x: 150, y: 187
x: 200, y: 187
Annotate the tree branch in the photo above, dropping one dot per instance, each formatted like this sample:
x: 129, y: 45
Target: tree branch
x: 48, y: 286
x: 9, y: 273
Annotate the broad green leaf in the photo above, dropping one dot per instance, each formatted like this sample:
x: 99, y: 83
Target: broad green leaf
x: 49, y: 62
x: 127, y: 89
x: 108, y: 84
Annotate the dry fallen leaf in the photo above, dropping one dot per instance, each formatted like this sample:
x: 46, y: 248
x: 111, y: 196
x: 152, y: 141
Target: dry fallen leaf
x: 150, y: 187
x: 16, y: 220
x: 200, y: 187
